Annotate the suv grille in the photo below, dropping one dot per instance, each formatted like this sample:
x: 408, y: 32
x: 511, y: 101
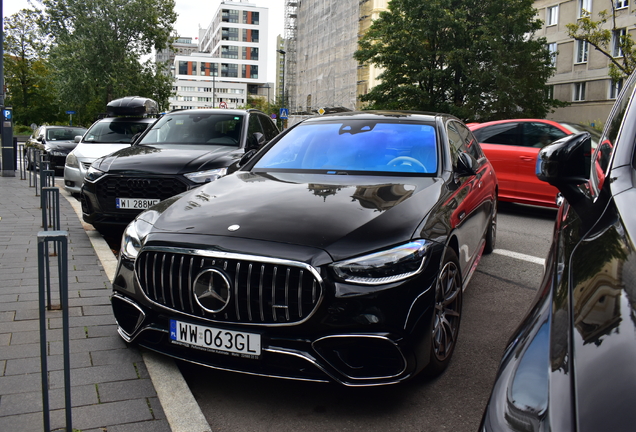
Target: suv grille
x: 259, y: 292
x: 112, y: 187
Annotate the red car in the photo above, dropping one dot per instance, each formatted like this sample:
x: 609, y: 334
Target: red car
x: 512, y: 147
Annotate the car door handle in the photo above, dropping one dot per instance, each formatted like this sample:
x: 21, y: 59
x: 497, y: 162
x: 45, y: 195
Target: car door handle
x: 526, y: 158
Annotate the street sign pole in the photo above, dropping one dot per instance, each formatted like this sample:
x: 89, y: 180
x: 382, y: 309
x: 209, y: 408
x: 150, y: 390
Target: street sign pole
x: 70, y: 113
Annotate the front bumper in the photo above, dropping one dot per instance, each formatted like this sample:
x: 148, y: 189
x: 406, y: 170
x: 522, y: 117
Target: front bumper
x: 366, y: 340
x: 74, y: 176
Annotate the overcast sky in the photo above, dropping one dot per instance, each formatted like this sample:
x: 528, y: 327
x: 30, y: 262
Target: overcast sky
x: 193, y: 14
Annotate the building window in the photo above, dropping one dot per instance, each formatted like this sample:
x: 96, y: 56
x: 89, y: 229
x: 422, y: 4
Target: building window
x: 552, y: 15
x: 230, y: 15
x: 582, y: 51
x: 229, y: 70
x: 579, y: 92
x: 229, y: 52
x: 615, y: 88
x: 183, y: 68
x: 620, y: 4
x: 552, y: 48
x: 231, y: 34
x: 585, y: 8
x: 618, y: 36
x: 250, y: 17
x: 549, y: 92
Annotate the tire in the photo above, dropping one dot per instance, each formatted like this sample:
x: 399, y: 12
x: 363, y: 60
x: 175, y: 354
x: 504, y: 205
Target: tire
x: 446, y: 314
x: 491, y: 235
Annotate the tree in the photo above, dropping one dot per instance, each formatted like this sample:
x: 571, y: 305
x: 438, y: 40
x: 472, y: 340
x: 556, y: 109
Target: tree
x: 98, y: 47
x: 27, y: 73
x: 614, y: 43
x: 476, y: 59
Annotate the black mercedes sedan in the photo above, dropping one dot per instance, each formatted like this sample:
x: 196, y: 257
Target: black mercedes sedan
x: 339, y: 252
x: 182, y: 150
x: 571, y: 364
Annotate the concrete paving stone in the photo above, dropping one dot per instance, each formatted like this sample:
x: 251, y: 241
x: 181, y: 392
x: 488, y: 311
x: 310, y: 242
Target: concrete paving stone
x: 8, y: 298
x: 149, y: 426
x: 7, y: 316
x: 104, y: 415
x: 85, y: 279
x: 29, y: 314
x: 125, y: 390
x: 128, y: 355
x: 94, y: 375
x: 157, y: 410
x: 89, y: 301
x: 7, y: 269
x: 51, y: 335
x: 18, y: 305
x: 98, y: 310
x: 96, y: 291
x: 22, y: 422
x: 12, y: 259
x: 89, y: 345
x: 3, y: 365
x: 20, y: 351
x: 54, y: 363
x: 19, y: 326
x: 5, y: 339
x: 142, y: 370
x: 24, y: 403
x: 20, y: 384
x: 83, y: 321
x: 101, y: 331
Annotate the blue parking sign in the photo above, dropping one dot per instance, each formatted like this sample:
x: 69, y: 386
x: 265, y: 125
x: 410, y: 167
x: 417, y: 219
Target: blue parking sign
x: 284, y: 113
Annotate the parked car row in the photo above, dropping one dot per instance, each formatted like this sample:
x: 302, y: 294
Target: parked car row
x: 339, y: 250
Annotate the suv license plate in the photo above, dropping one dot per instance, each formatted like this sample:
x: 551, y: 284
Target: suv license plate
x: 213, y: 339
x: 135, y: 203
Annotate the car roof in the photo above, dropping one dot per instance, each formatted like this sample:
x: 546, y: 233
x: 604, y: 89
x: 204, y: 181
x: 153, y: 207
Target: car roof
x: 474, y: 126
x: 384, y: 115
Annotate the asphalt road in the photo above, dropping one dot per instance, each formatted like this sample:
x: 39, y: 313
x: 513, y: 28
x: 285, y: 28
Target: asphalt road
x: 495, y: 301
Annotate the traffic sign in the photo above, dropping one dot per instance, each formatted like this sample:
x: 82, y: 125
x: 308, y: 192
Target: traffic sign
x: 284, y: 113
x: 223, y: 104
x: 321, y: 111
x: 70, y: 112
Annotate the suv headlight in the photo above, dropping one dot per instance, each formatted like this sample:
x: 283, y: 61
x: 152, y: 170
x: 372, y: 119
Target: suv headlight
x: 93, y: 174
x: 392, y: 265
x: 136, y: 232
x: 71, y: 161
x: 206, y: 176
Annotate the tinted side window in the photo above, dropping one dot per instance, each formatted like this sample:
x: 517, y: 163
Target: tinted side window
x: 470, y: 143
x: 270, y: 129
x: 254, y: 126
x: 455, y: 140
x: 540, y: 134
x: 504, y: 133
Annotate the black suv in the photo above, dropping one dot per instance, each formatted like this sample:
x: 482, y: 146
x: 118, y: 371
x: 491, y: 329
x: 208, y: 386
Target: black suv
x: 182, y: 150
x: 570, y: 366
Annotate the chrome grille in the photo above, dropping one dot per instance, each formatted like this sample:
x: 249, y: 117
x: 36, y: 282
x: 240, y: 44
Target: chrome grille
x: 261, y: 292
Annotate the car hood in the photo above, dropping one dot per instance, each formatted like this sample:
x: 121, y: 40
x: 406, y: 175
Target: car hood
x: 92, y: 151
x: 169, y: 161
x: 65, y: 146
x: 344, y: 215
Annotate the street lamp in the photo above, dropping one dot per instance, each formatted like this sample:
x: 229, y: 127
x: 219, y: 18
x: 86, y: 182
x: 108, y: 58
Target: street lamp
x: 283, y: 52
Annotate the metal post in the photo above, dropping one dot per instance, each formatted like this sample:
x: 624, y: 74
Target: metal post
x: 21, y: 162
x: 61, y: 239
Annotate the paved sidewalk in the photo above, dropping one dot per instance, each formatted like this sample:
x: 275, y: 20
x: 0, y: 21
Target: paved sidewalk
x: 111, y: 386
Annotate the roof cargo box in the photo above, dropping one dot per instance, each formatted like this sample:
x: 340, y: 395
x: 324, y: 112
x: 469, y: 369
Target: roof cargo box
x: 132, y: 106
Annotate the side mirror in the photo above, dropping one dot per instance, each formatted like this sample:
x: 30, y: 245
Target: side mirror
x: 78, y: 138
x: 256, y: 140
x: 565, y: 164
x: 40, y: 138
x: 465, y: 165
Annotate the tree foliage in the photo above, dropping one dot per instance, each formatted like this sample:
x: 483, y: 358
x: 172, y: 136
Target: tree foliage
x: 603, y: 36
x: 476, y: 59
x: 27, y: 73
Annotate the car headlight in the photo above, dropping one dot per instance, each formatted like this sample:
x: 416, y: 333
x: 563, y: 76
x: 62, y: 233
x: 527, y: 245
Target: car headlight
x: 206, y: 176
x: 71, y: 161
x: 384, y: 267
x: 136, y: 232
x: 93, y: 174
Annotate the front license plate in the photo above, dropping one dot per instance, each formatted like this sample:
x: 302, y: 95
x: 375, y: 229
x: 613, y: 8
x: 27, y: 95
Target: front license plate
x: 135, y: 203
x: 217, y: 340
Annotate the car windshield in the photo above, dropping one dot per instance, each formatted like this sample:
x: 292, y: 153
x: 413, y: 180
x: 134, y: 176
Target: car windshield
x: 195, y: 128
x: 63, y: 134
x: 114, y: 131
x: 364, y: 146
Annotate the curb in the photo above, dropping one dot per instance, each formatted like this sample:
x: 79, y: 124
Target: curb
x: 181, y: 408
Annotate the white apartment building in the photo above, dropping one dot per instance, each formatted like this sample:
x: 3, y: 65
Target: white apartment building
x: 231, y: 62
